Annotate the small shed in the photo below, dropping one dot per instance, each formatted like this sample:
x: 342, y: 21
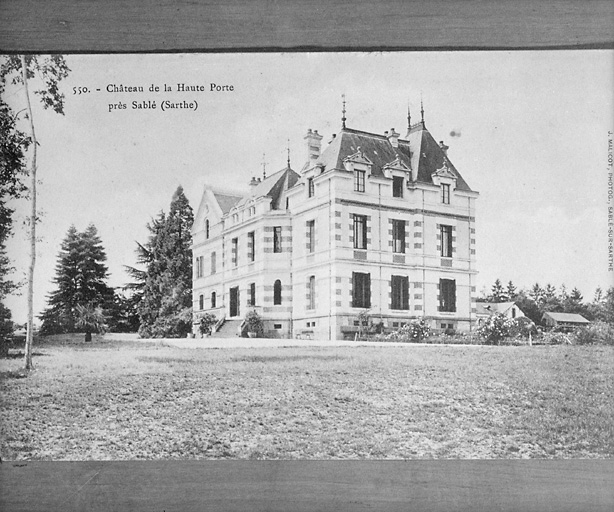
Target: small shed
x: 564, y: 321
x: 507, y: 309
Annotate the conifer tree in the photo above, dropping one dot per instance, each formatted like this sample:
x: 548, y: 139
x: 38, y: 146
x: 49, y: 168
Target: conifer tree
x: 498, y: 292
x: 165, y: 285
x: 511, y: 291
x: 81, y: 276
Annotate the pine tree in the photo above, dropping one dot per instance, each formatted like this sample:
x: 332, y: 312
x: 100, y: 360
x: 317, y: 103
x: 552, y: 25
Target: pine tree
x: 165, y: 286
x: 497, y: 292
x: 511, y: 291
x: 81, y: 281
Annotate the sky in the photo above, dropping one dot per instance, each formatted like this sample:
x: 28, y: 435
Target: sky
x: 528, y: 130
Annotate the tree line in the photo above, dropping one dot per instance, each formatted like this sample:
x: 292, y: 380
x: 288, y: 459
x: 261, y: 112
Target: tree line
x: 537, y: 300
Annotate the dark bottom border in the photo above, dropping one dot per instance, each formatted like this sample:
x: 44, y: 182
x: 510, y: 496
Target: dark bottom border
x: 543, y: 485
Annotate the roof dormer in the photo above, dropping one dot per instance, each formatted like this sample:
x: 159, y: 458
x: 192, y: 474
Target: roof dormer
x: 444, y: 175
x: 396, y: 168
x: 358, y: 162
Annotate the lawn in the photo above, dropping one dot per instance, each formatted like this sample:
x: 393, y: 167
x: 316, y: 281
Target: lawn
x: 135, y: 400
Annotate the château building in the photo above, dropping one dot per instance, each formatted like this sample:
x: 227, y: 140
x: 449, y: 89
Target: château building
x: 372, y: 224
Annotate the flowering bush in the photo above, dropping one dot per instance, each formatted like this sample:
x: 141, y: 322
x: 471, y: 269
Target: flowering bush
x: 494, y: 329
x: 206, y: 323
x: 600, y: 333
x: 414, y: 331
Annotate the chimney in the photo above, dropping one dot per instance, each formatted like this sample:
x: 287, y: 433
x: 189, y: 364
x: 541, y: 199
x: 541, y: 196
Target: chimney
x: 253, y: 183
x: 443, y: 147
x: 314, y: 143
x: 393, y: 137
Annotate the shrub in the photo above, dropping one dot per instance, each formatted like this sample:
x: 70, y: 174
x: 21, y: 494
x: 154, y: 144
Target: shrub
x: 521, y: 327
x: 494, y: 329
x: 600, y: 333
x: 555, y: 338
x: 253, y: 323
x: 206, y: 323
x: 414, y: 331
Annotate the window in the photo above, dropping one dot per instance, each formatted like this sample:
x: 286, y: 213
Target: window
x: 207, y: 228
x: 359, y: 181
x: 446, y: 241
x: 447, y: 295
x: 398, y: 236
x: 311, y: 293
x: 251, y: 248
x: 201, y: 302
x: 361, y: 290
x: 252, y: 294
x: 213, y: 262
x: 213, y: 299
x: 199, y: 266
x: 311, y: 235
x: 277, y: 293
x: 310, y: 187
x: 397, y: 186
x: 234, y: 251
x: 513, y: 312
x: 445, y: 193
x: 400, y: 292
x: 360, y: 231
x: 277, y: 239
x: 276, y: 326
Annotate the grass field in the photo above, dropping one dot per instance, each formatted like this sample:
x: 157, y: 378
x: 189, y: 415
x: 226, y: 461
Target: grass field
x: 133, y: 400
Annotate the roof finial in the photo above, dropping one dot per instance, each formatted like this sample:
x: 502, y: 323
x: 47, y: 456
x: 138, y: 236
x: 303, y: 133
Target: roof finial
x: 408, y: 117
x: 288, y: 153
x: 343, y: 118
x: 422, y: 111
x: 263, y: 166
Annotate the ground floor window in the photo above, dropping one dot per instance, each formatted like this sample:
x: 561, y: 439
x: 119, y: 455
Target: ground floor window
x: 400, y: 292
x: 447, y: 295
x: 213, y: 299
x: 201, y: 302
x: 361, y: 290
x: 277, y: 293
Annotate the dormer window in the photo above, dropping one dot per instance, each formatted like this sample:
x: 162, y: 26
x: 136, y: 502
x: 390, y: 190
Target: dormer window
x: 359, y: 181
x: 445, y: 193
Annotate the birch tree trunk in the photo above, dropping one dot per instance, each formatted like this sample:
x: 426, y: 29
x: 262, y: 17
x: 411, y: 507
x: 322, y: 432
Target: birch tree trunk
x: 33, y: 219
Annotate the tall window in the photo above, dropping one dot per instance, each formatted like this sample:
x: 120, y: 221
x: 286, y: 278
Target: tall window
x: 397, y: 186
x: 400, y: 292
x: 251, y: 247
x: 213, y: 299
x: 252, y: 294
x: 207, y: 228
x: 359, y: 181
x: 446, y: 241
x: 447, y: 295
x: 311, y: 293
x: 310, y: 187
x: 360, y: 231
x: 201, y: 302
x: 398, y: 236
x: 445, y: 193
x: 199, y: 266
x: 361, y: 290
x: 311, y: 235
x: 213, y: 262
x: 235, y: 252
x: 277, y: 293
x: 277, y: 239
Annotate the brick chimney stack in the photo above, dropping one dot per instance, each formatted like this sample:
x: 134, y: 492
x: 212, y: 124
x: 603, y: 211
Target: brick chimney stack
x: 444, y: 147
x: 314, y: 144
x: 393, y: 137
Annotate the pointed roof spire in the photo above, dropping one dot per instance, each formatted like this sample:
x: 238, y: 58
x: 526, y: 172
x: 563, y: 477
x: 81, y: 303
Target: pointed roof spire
x: 288, y: 153
x: 408, y: 117
x: 343, y: 118
x: 422, y: 111
x: 263, y: 167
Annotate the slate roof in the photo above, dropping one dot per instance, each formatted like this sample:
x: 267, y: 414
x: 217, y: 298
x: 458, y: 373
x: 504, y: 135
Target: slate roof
x: 567, y: 317
x: 226, y: 201
x: 420, y: 151
x: 272, y: 186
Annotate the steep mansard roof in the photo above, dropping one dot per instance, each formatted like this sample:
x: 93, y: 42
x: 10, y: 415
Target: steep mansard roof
x: 419, y: 151
x: 273, y: 186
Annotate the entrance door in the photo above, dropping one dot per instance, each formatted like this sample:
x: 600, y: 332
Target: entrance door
x: 234, y: 301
